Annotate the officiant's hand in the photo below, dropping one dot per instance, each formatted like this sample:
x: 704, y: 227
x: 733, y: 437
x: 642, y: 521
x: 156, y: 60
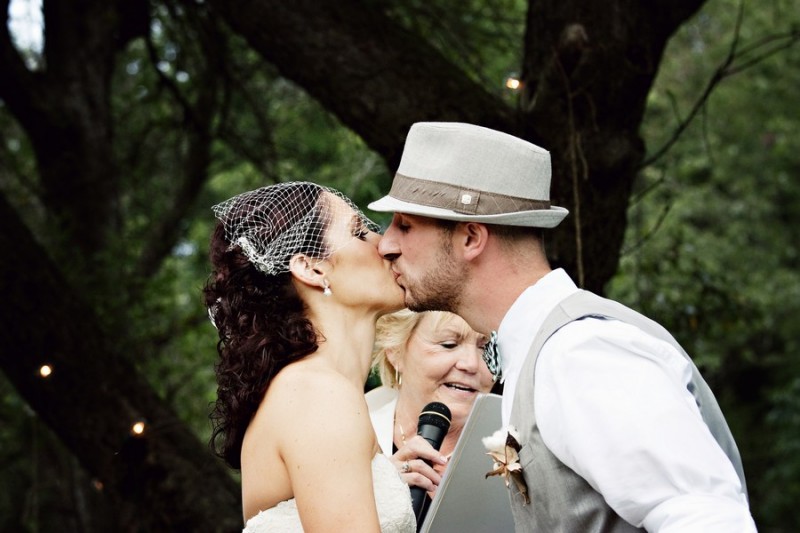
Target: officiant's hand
x: 417, y: 461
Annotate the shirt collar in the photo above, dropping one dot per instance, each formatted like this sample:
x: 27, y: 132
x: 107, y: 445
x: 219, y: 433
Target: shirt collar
x: 526, y: 315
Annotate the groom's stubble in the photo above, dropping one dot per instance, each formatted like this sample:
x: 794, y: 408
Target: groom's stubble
x: 440, y: 288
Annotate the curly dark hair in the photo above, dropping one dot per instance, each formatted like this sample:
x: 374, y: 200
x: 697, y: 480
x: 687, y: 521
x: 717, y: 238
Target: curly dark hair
x: 262, y: 328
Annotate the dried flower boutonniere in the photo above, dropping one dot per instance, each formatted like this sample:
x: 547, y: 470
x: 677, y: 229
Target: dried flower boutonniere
x: 504, y: 448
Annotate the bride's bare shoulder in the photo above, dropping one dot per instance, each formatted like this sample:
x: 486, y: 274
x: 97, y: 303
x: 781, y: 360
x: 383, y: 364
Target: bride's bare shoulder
x: 312, y: 391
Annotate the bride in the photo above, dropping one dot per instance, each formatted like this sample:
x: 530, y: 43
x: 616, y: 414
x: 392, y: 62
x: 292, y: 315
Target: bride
x: 296, y: 288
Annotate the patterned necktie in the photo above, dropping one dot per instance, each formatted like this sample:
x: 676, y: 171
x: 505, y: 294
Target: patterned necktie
x: 492, y: 357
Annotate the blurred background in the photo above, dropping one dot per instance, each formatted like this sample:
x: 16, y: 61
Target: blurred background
x: 673, y: 128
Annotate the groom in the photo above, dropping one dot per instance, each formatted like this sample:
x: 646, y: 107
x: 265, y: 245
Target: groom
x: 618, y: 430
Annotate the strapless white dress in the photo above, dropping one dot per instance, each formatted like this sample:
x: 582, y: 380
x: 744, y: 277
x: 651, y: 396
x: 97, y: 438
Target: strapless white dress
x: 392, y: 498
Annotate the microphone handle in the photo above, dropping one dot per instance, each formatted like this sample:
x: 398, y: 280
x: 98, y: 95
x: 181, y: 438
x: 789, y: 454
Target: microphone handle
x: 418, y: 503
x: 435, y: 436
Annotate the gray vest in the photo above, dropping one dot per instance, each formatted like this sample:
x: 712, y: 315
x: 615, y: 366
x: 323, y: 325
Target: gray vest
x: 561, y: 500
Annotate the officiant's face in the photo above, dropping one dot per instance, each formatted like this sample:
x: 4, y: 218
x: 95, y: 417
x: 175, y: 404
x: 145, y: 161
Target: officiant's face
x: 442, y: 362
x: 423, y: 262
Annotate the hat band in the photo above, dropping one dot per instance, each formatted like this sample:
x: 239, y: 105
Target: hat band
x: 460, y: 199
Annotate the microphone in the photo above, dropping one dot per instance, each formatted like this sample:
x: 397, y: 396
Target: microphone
x: 434, y: 421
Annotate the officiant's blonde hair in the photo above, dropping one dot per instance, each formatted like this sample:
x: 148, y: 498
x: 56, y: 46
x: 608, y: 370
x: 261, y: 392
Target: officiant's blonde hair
x: 392, y: 333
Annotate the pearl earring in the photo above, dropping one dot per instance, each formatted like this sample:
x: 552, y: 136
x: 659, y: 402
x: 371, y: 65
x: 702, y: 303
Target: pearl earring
x: 327, y: 290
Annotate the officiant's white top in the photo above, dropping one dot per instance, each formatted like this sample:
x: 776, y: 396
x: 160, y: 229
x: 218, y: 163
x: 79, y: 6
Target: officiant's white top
x: 391, y: 497
x: 382, y: 402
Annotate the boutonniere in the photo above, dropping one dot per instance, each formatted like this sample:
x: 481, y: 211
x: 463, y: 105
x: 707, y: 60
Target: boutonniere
x: 503, y: 447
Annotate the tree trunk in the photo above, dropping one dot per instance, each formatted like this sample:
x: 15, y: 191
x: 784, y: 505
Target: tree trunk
x: 587, y: 72
x: 164, y: 478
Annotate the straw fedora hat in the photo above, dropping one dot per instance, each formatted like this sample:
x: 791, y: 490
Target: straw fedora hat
x: 469, y: 173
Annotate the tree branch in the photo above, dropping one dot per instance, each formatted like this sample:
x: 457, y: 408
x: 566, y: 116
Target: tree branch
x: 758, y: 52
x: 200, y: 115
x: 339, y: 53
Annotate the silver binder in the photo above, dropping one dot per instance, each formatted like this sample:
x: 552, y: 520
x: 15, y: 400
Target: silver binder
x: 466, y: 501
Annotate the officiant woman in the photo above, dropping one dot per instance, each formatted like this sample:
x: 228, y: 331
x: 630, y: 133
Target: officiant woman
x: 421, y: 358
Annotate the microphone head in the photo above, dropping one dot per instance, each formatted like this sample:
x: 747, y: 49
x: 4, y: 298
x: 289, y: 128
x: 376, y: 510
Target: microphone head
x: 435, y: 414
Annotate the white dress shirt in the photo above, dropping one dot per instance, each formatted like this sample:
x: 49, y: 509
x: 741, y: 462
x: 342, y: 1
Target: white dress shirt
x: 611, y: 403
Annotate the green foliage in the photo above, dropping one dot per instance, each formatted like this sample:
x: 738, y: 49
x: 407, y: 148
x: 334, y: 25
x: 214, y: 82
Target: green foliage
x: 784, y: 417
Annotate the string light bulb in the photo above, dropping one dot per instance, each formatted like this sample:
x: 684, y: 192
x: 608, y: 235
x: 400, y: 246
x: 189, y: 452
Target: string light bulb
x: 137, y: 428
x: 45, y: 370
x: 513, y: 83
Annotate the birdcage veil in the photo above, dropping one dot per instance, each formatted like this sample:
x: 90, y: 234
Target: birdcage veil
x: 273, y: 223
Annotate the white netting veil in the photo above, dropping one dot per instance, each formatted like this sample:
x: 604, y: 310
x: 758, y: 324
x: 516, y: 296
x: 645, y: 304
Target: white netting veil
x: 273, y: 223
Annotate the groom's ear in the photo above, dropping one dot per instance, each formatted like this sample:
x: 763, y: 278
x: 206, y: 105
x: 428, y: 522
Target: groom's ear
x: 471, y: 239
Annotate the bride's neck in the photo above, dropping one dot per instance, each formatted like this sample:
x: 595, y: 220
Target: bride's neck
x: 347, y: 342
